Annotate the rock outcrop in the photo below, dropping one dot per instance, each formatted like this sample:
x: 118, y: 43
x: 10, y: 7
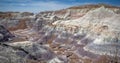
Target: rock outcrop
x: 19, y: 52
x: 5, y: 35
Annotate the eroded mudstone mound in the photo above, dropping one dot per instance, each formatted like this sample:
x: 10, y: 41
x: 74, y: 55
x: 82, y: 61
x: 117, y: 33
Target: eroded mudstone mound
x: 102, y: 25
x: 109, y: 34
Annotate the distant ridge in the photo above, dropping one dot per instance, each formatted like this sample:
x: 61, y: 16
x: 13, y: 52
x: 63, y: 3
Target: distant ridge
x: 93, y: 6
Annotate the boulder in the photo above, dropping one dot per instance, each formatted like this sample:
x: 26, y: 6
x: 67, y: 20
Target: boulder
x: 5, y: 35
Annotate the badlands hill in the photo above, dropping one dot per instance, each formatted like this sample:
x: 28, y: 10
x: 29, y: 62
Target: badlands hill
x: 79, y: 34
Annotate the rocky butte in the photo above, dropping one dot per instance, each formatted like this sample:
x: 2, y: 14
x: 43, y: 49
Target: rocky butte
x: 79, y: 34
